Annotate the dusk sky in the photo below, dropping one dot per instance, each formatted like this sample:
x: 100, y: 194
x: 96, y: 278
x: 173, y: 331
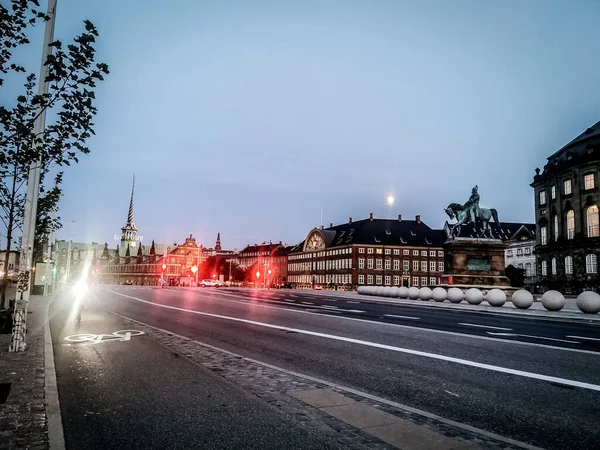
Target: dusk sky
x: 248, y: 117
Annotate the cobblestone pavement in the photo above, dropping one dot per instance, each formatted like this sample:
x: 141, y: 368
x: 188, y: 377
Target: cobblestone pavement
x: 276, y: 388
x: 23, y: 420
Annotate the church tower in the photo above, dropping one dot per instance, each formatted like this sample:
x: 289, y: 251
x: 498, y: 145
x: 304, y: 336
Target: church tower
x: 218, y: 244
x: 129, y: 231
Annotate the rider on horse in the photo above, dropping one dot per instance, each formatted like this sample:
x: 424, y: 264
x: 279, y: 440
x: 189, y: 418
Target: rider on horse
x: 472, y: 205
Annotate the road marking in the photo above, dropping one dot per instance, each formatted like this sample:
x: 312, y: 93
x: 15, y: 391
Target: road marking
x: 326, y: 310
x: 401, y: 317
x: 451, y: 393
x: 121, y: 335
x: 586, y: 338
x: 485, y: 326
x: 351, y: 301
x: 307, y: 303
x: 534, y: 337
x: 288, y: 300
x: 328, y: 306
x: 240, y: 301
x: 465, y: 362
x: 340, y: 387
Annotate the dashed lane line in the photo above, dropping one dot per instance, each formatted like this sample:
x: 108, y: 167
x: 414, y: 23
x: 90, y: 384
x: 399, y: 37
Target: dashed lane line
x: 401, y: 317
x: 464, y: 362
x: 485, y: 326
x: 584, y: 338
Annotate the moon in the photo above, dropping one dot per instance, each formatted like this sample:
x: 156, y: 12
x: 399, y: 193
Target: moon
x: 390, y: 200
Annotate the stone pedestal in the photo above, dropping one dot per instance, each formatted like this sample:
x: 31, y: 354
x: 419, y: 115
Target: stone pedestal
x: 475, y: 262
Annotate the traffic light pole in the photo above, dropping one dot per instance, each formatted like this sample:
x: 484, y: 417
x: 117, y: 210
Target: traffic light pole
x: 17, y: 342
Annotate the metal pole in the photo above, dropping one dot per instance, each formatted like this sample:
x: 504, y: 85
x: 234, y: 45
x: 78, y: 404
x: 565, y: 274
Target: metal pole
x: 69, y: 253
x: 33, y: 182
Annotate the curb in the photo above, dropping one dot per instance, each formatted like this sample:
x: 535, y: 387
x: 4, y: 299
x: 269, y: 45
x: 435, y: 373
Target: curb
x: 56, y: 437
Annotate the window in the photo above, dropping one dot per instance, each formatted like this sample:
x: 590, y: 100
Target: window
x: 432, y: 253
x: 396, y: 251
x: 388, y: 251
x: 378, y: 263
x: 423, y: 281
x: 361, y: 250
x: 542, y: 197
x: 432, y: 281
x: 588, y: 181
x: 369, y: 279
x: 569, y: 265
x: 361, y: 263
x: 369, y: 250
x: 555, y: 228
x: 509, y: 253
x: 440, y: 254
x: 415, y: 252
x: 567, y: 187
x: 370, y: 263
x: 423, y: 266
x: 388, y: 280
x: 378, y: 280
x: 415, y: 265
x: 396, y: 264
x: 396, y: 280
x: 527, y: 269
x: 592, y: 222
x: 379, y: 251
x: 591, y: 263
x: 441, y: 266
x: 544, y: 268
x: 520, y: 265
x: 388, y: 264
x: 527, y: 251
x: 519, y: 252
x: 415, y: 281
x: 553, y: 266
x: 570, y: 224
x: 405, y: 265
x: 432, y: 266
x: 424, y: 253
x: 544, y: 235
x: 553, y: 192
x: 405, y: 252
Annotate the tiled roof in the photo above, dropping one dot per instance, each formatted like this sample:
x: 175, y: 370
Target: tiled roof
x: 505, y: 232
x: 390, y: 232
x: 593, y: 131
x: 260, y: 248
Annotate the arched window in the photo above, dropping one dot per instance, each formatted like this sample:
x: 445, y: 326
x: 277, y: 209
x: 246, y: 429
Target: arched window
x: 544, y: 268
x: 555, y: 228
x: 593, y: 229
x: 544, y: 235
x: 570, y: 224
x: 553, y: 266
x: 569, y: 265
x: 591, y: 263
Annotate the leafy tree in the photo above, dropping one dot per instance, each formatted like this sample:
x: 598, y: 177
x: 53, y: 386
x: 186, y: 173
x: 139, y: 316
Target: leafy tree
x: 71, y: 74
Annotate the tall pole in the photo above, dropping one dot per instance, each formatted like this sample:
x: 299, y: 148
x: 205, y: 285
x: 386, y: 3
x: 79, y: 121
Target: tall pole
x: 69, y: 252
x: 33, y: 182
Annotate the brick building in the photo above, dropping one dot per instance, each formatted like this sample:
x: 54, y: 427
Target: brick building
x: 566, y: 214
x: 377, y: 252
x: 269, y: 260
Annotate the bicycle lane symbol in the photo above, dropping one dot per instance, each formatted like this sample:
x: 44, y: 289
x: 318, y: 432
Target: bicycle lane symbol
x: 86, y: 338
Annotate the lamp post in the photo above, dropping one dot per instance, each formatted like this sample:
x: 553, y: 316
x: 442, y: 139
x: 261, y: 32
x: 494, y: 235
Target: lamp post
x: 269, y: 279
x: 195, y: 272
x: 69, y: 252
x: 257, y: 277
x: 162, y: 281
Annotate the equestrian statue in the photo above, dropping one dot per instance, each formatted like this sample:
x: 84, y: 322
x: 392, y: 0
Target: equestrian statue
x: 470, y: 212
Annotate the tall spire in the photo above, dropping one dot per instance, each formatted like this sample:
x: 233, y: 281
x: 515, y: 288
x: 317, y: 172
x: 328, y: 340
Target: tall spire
x: 218, y: 243
x: 130, y: 223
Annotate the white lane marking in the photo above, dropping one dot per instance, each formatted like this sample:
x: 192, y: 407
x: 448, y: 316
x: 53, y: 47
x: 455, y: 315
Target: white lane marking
x: 397, y: 325
x: 451, y: 393
x: 465, y: 362
x: 288, y: 300
x: 351, y: 301
x: 121, y: 335
x: 485, y: 326
x: 327, y: 310
x: 340, y: 387
x: 401, y: 317
x: 329, y: 307
x: 586, y: 338
x: 533, y: 337
x: 307, y: 303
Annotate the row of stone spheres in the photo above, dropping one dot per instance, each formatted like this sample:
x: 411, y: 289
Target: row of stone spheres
x: 588, y: 302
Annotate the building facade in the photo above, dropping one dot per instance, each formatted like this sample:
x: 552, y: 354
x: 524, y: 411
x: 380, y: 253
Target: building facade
x: 567, y: 216
x: 520, y: 251
x: 266, y: 263
x: 370, y: 252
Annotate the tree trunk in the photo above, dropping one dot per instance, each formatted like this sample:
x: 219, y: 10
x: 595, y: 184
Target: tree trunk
x: 11, y: 220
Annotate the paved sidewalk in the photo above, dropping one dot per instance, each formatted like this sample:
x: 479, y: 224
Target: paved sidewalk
x: 23, y: 418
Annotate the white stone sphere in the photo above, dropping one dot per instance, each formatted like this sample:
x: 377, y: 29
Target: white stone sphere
x: 455, y: 295
x: 496, y: 297
x: 362, y: 290
x: 474, y: 296
x: 380, y: 291
x: 522, y: 299
x: 589, y: 302
x: 389, y: 291
x: 394, y: 292
x: 553, y: 300
x: 413, y: 293
x: 403, y: 292
x: 425, y: 293
x: 439, y: 294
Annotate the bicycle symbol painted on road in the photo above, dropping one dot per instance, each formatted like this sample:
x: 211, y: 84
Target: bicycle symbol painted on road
x: 121, y: 335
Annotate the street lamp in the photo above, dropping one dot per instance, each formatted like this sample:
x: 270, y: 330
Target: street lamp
x: 257, y: 277
x: 195, y: 272
x: 69, y: 252
x: 162, y: 282
x: 268, y: 278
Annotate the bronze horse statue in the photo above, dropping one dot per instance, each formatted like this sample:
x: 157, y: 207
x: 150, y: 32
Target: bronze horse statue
x: 462, y: 215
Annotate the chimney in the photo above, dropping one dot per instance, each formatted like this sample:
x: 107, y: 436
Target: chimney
x: 418, y: 218
x: 399, y: 217
x: 371, y: 217
x: 322, y: 227
x: 330, y: 224
x: 350, y: 220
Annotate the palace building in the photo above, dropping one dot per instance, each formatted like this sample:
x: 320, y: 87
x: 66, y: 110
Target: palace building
x: 566, y: 214
x: 377, y: 252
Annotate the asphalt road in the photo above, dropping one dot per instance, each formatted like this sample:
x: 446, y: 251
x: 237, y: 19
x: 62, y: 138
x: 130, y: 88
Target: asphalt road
x: 129, y: 392
x: 541, y: 386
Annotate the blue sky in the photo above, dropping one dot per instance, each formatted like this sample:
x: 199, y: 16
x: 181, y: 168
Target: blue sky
x: 248, y: 117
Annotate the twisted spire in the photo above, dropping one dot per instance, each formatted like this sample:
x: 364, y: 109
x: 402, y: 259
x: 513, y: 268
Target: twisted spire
x: 130, y: 223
